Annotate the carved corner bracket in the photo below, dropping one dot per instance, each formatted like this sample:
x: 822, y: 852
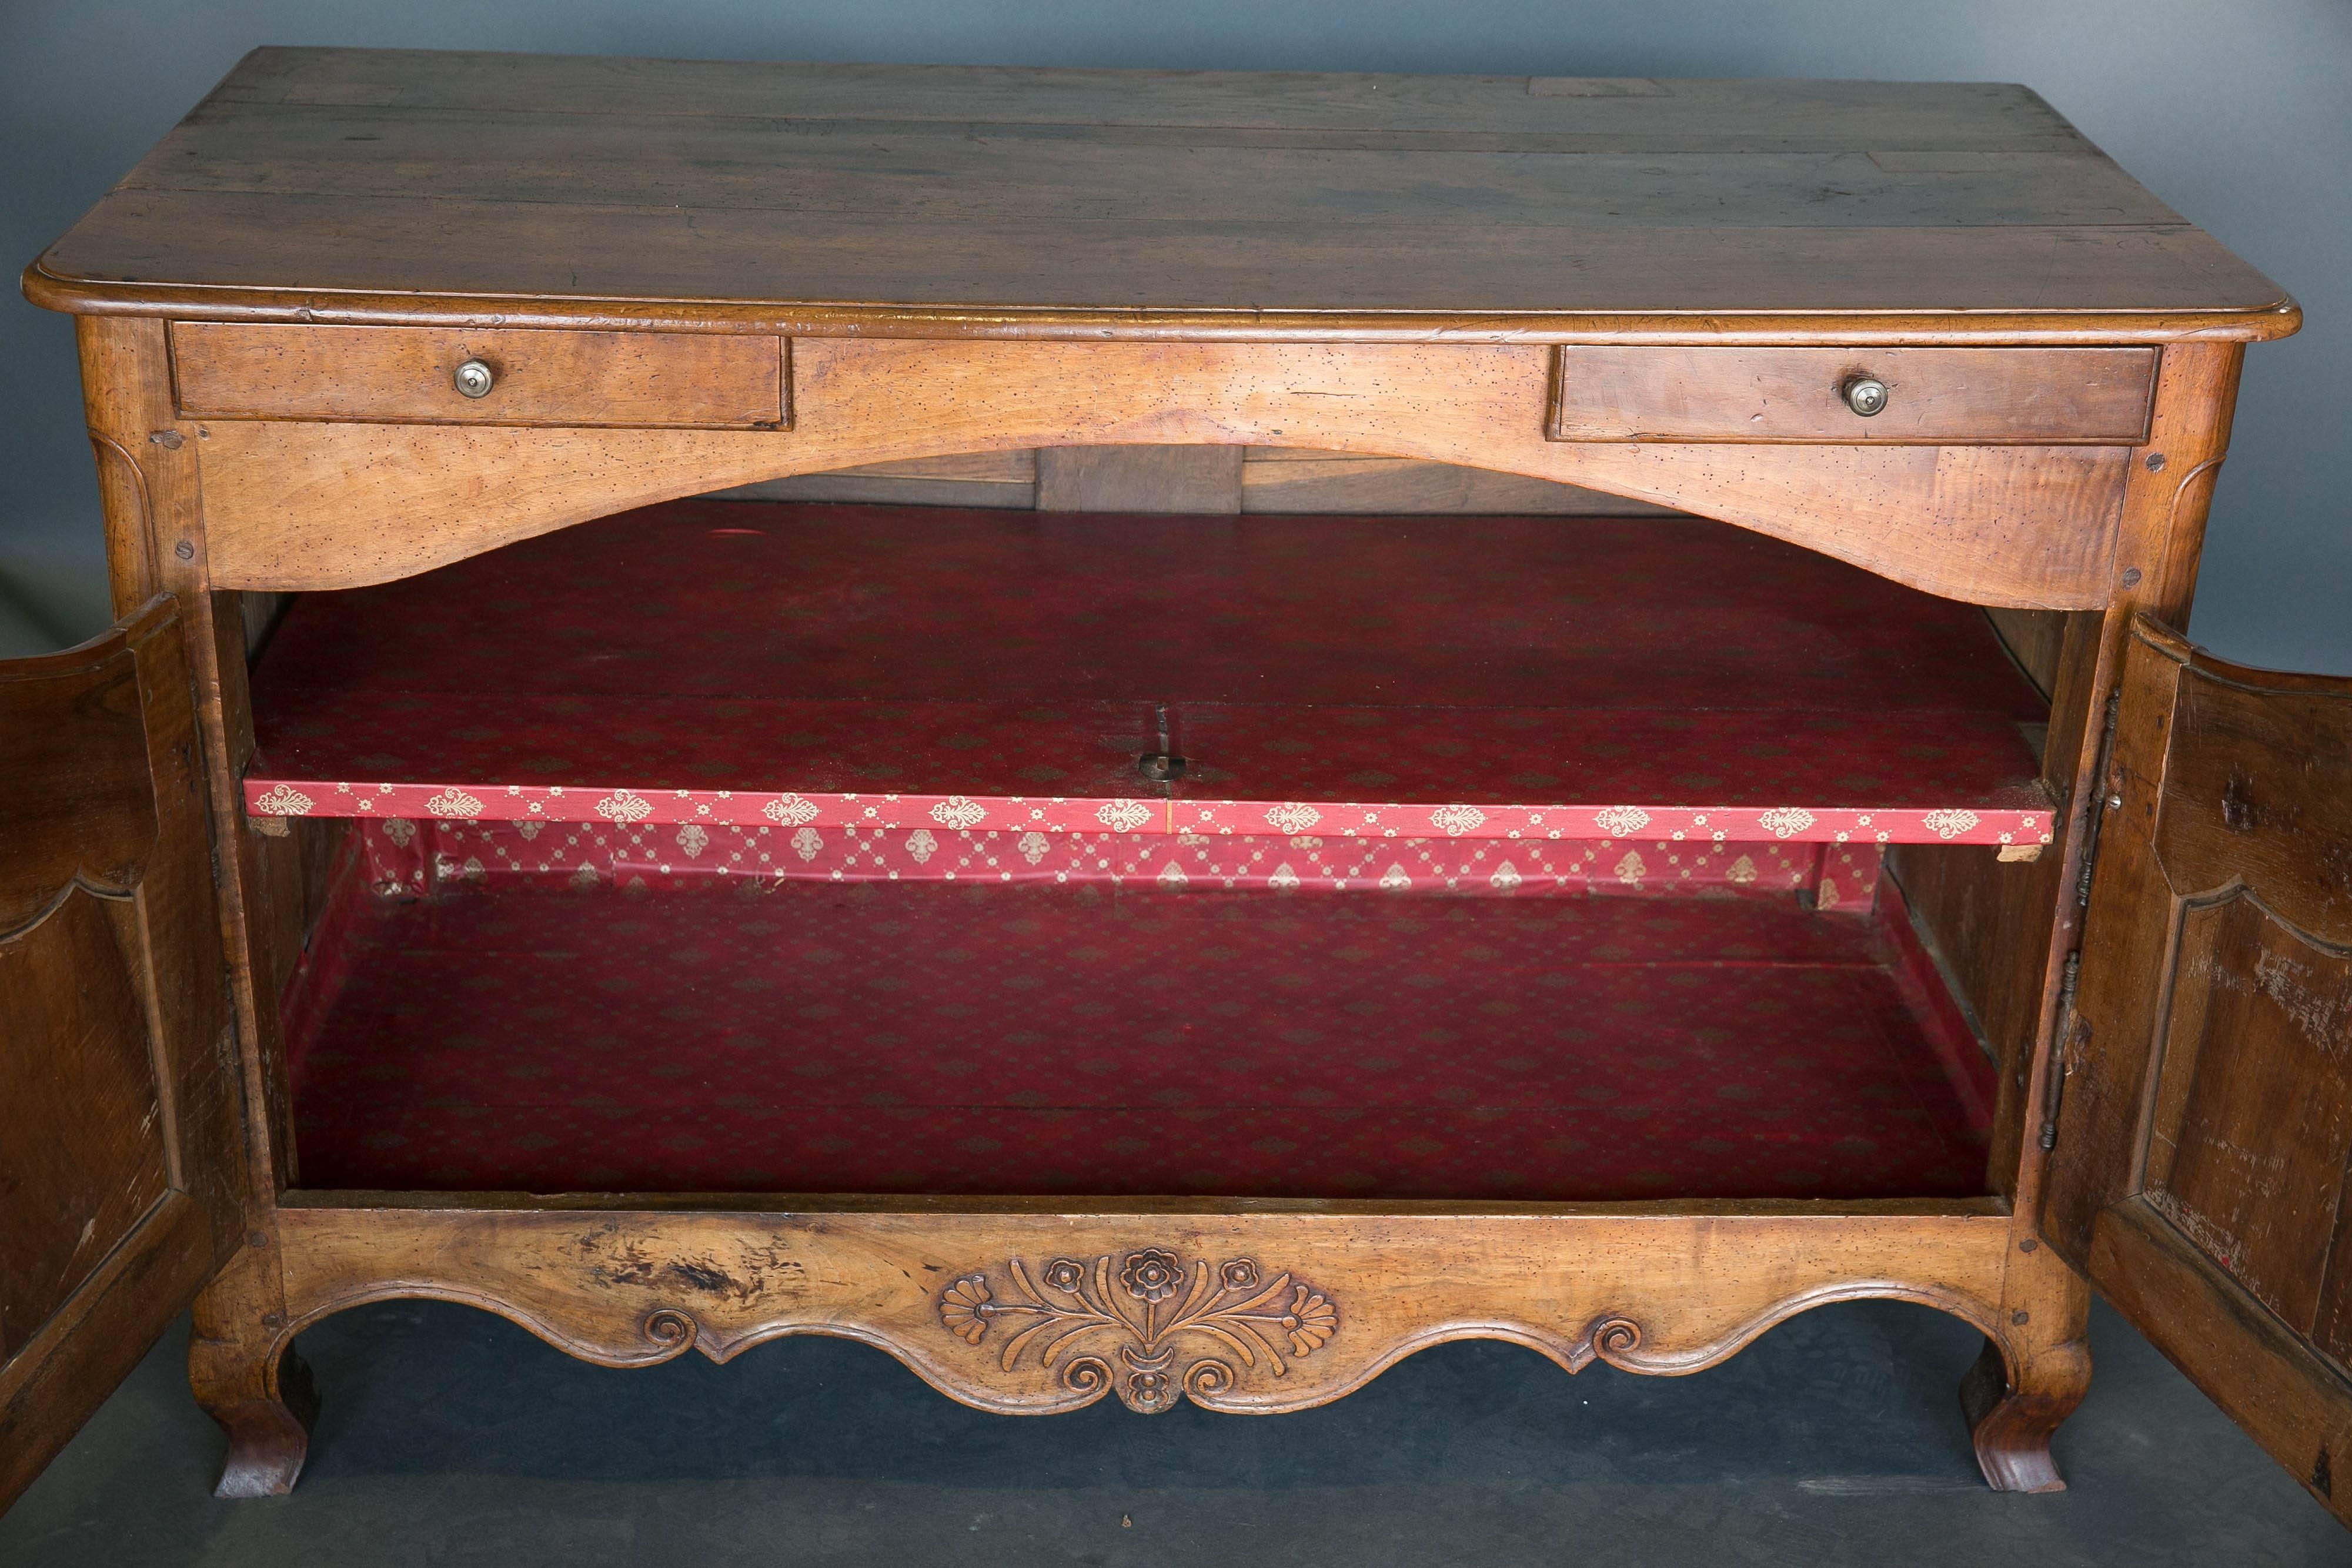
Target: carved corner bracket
x: 1177, y: 1332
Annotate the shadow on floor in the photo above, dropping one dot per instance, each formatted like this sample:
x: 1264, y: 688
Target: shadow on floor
x: 450, y: 1436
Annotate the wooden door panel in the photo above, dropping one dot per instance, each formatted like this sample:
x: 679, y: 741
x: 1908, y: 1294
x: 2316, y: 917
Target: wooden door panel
x: 2251, y: 1128
x: 2246, y: 1361
x: 122, y: 1183
x: 78, y: 1069
x: 2204, y: 1134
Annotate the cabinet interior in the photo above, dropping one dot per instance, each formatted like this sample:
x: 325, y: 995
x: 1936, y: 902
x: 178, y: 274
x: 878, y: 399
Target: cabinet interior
x: 628, y: 1002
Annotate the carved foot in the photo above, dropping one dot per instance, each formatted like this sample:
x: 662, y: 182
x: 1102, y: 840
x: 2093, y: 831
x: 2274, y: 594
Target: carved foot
x: 2035, y: 1368
x: 244, y: 1371
x: 2011, y: 1417
x: 267, y: 1407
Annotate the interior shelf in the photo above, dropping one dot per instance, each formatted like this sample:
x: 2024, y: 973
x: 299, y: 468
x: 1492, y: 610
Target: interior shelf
x: 808, y: 1037
x: 879, y: 669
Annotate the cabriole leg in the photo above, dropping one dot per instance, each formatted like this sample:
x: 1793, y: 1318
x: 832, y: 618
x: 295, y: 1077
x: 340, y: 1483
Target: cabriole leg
x: 243, y: 1367
x: 2030, y: 1379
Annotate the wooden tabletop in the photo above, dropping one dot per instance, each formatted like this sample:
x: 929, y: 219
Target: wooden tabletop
x: 400, y: 185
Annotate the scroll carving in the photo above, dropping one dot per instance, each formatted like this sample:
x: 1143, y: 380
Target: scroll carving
x: 1031, y: 1314
x: 671, y: 1331
x: 1614, y: 1341
x: 1177, y: 1333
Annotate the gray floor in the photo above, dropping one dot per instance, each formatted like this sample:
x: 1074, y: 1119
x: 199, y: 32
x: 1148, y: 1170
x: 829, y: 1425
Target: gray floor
x: 451, y: 1437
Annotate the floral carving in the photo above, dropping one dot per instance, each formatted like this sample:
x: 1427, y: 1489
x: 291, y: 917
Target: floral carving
x: 1123, y: 816
x: 959, y: 811
x: 400, y: 831
x: 622, y: 806
x: 454, y: 803
x: 1945, y: 824
x: 1291, y: 819
x: 1783, y: 821
x: 963, y: 1308
x: 1153, y: 1310
x: 807, y: 842
x: 284, y: 800
x: 788, y: 810
x: 1033, y: 847
x: 1150, y: 1275
x: 922, y: 845
x: 693, y: 838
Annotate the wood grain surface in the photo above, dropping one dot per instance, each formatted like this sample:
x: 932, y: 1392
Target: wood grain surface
x: 1610, y: 392
x: 336, y: 184
x: 406, y: 374
x: 293, y: 507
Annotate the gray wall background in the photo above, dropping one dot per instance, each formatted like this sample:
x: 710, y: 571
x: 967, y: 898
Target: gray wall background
x: 2237, y: 112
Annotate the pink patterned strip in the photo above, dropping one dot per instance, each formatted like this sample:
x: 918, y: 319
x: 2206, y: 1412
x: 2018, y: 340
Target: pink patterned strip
x: 413, y: 858
x: 1248, y: 819
x: 1719, y: 824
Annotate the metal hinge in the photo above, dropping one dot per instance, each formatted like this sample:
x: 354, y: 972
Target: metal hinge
x: 2073, y: 1034
x: 2101, y: 802
x: 2068, y: 1048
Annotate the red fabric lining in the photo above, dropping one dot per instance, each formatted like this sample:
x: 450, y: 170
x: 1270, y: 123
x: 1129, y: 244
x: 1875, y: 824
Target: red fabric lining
x: 656, y: 1026
x: 1493, y: 662
x: 1079, y: 1039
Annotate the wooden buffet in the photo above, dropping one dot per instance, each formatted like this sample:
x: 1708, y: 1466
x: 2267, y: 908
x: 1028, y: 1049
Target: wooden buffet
x: 1650, y: 604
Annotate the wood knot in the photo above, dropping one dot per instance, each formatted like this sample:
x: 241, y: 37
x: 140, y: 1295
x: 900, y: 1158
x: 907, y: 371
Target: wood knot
x: 2239, y: 812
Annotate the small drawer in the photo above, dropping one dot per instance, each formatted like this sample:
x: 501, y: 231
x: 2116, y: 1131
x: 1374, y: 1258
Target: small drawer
x: 2038, y: 396
x: 424, y: 375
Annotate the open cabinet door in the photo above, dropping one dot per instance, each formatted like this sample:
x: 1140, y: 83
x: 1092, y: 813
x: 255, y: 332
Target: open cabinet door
x: 2204, y: 1121
x: 121, y: 1151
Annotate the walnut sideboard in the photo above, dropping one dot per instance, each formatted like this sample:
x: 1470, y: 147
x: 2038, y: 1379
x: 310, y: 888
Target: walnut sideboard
x: 1195, y: 918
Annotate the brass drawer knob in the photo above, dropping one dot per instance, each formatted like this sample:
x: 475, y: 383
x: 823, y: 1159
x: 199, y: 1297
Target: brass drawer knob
x: 475, y: 379
x: 1866, y: 395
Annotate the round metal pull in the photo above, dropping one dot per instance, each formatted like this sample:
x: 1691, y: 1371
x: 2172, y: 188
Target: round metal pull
x: 475, y: 379
x: 1865, y: 395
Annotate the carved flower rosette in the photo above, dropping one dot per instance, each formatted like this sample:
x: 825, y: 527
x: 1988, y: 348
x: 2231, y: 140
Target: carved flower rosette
x: 1141, y: 1324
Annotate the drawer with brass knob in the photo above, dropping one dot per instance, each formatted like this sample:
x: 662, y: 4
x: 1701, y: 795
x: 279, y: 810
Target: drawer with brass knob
x: 404, y: 375
x: 2027, y: 395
